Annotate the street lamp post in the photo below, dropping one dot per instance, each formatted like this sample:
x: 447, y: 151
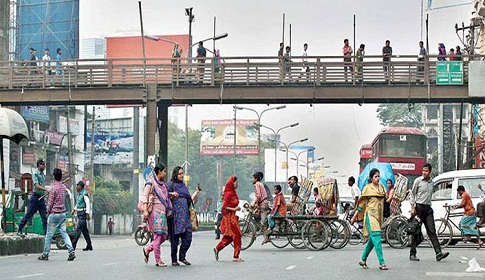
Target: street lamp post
x: 259, y: 127
x: 298, y: 159
x: 287, y: 148
x: 275, y: 138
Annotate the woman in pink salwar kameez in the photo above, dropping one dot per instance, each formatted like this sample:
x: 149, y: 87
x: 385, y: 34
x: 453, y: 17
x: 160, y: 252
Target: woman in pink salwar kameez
x: 156, y: 195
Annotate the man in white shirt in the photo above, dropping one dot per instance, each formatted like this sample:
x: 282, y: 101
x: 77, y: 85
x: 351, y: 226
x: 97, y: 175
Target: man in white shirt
x: 354, y: 189
x: 305, y: 69
x: 46, y: 65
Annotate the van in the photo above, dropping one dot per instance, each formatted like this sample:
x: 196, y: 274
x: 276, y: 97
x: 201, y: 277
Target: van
x: 445, y: 193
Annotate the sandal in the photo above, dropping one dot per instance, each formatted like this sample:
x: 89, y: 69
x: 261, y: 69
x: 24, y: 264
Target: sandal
x: 480, y: 244
x: 238, y: 260
x: 161, y: 264
x: 383, y: 267
x: 147, y: 256
x: 363, y: 264
x: 175, y: 264
x: 216, y: 254
x: 186, y: 262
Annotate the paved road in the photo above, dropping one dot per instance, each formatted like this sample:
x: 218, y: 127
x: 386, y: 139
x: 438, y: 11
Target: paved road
x: 120, y: 258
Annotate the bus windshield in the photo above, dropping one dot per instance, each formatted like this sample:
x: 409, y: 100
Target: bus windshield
x: 403, y: 145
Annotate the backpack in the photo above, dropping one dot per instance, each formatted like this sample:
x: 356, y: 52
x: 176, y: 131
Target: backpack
x: 269, y: 195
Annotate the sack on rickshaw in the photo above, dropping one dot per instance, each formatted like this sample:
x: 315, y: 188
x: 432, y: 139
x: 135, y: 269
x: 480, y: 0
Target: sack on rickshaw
x: 328, y: 191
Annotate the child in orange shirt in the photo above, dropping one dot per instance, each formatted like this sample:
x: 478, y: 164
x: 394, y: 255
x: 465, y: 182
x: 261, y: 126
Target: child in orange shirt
x: 278, y: 210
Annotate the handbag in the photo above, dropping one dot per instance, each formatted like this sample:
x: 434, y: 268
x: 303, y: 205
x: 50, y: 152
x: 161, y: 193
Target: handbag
x: 194, y: 220
x: 151, y: 196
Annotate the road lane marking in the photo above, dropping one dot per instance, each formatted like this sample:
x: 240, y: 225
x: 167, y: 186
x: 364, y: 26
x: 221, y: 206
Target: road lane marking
x: 30, y: 275
x: 309, y: 258
x: 455, y: 274
x: 290, y: 267
x: 111, y: 263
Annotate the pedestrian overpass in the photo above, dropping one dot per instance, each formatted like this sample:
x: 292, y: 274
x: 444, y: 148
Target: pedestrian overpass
x: 160, y: 83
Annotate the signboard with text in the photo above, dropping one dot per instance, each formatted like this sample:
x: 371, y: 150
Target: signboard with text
x: 73, y: 125
x: 218, y: 137
x: 449, y: 73
x: 35, y: 113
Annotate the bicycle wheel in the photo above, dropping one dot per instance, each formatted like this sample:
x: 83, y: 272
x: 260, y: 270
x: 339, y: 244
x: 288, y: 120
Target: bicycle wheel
x: 340, y: 234
x: 142, y: 236
x: 294, y: 231
x: 443, y: 231
x: 279, y: 239
x: 356, y: 235
x: 248, y: 234
x: 316, y: 235
x: 396, y: 233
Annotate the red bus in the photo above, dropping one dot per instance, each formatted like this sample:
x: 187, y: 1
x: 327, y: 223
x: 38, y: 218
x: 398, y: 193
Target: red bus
x: 404, y: 148
x: 365, y: 156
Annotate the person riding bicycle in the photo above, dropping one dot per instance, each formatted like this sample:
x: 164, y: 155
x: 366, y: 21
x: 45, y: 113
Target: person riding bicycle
x: 468, y: 223
x: 261, y: 202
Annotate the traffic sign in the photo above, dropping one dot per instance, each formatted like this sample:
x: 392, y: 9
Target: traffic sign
x: 449, y: 73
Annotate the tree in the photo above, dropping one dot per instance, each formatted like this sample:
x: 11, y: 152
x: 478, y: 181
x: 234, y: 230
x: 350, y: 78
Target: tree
x: 400, y: 115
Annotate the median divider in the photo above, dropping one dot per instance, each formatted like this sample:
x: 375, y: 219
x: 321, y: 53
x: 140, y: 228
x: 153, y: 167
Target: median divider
x: 13, y: 244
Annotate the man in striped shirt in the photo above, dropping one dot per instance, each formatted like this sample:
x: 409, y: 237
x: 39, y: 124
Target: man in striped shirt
x: 57, y: 217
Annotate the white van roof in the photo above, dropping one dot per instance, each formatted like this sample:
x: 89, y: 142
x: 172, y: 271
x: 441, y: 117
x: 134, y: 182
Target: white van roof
x: 460, y: 173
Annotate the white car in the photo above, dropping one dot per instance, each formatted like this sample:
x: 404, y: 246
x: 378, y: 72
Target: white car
x: 445, y: 193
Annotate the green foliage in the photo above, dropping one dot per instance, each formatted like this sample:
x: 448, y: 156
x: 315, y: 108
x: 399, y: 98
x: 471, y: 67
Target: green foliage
x: 110, y: 198
x: 400, y: 115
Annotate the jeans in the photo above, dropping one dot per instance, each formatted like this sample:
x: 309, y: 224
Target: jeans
x: 82, y: 227
x: 35, y: 205
x: 425, y: 213
x: 56, y: 221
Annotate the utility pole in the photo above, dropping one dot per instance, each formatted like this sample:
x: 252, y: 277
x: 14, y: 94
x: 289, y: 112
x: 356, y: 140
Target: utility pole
x: 188, y: 12
x: 91, y: 169
x: 72, y: 172
x: 136, y: 164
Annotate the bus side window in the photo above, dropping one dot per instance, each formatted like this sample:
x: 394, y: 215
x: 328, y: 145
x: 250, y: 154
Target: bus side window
x: 442, y: 191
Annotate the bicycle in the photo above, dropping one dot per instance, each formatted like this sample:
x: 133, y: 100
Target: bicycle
x: 444, y: 229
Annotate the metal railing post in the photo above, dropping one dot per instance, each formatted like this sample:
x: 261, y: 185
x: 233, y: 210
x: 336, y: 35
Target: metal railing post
x: 10, y: 75
x: 247, y: 71
x: 213, y: 68
x: 317, y: 81
x: 426, y: 70
x: 110, y: 73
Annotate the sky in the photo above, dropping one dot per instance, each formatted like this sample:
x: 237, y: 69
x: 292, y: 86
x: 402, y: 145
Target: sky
x: 255, y: 29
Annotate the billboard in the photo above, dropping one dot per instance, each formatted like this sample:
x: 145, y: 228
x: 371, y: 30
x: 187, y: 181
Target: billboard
x: 111, y: 147
x: 217, y: 137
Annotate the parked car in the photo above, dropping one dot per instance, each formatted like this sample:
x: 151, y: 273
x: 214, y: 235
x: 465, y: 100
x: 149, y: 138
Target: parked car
x: 445, y: 193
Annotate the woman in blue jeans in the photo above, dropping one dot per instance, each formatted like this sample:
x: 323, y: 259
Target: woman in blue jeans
x: 180, y: 226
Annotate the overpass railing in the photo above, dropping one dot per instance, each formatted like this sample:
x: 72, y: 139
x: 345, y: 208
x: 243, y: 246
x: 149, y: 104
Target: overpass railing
x: 243, y: 71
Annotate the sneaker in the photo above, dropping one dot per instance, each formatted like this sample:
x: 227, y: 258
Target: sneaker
x: 441, y: 256
x: 43, y: 258
x: 413, y: 258
x: 72, y: 256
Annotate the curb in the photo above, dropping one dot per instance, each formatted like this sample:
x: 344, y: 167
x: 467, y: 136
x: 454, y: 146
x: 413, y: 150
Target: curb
x: 15, y: 245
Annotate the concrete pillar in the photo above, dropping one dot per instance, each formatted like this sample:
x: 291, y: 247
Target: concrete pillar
x: 163, y: 132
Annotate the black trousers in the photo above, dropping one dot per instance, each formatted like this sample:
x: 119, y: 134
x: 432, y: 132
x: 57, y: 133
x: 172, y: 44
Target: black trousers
x: 82, y: 227
x: 425, y: 213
